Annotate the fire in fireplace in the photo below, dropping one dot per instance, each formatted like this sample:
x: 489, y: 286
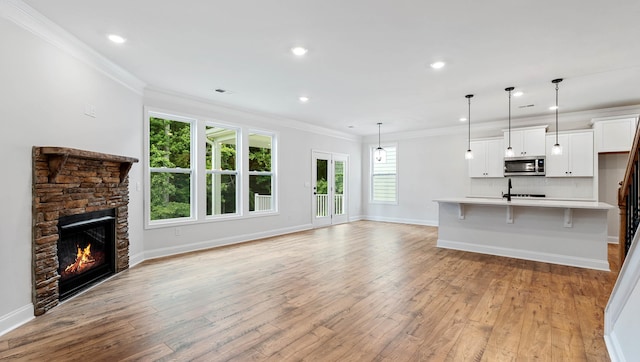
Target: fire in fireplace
x: 86, y: 250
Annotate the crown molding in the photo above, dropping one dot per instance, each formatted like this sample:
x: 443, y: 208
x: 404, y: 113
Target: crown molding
x: 159, y: 97
x: 568, y: 121
x: 31, y: 20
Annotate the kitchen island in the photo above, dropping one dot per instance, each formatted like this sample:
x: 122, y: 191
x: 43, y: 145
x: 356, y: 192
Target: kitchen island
x: 554, y: 231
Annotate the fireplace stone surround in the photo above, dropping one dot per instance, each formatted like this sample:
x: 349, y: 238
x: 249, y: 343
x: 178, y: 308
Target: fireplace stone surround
x: 69, y: 181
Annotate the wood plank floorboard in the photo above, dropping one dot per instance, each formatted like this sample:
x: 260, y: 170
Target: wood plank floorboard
x: 363, y: 291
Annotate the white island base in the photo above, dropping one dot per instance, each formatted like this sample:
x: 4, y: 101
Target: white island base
x: 570, y: 233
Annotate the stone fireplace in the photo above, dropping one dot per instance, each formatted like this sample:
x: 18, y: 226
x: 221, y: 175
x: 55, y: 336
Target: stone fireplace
x: 69, y: 184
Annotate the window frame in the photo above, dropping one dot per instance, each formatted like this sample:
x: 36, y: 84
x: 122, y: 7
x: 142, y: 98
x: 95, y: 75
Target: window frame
x: 237, y: 172
x: 372, y: 199
x: 272, y: 173
x: 190, y: 171
x: 198, y: 172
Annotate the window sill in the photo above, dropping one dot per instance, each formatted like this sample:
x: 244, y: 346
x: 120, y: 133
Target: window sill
x: 208, y: 219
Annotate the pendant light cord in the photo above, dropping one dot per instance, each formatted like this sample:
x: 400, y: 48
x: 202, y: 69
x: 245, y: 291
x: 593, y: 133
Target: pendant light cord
x: 556, y: 81
x: 469, y: 96
x: 379, y: 123
x: 509, y: 90
x: 556, y: 113
x: 469, y: 124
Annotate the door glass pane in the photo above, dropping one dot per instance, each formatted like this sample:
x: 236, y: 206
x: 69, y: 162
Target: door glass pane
x: 322, y: 188
x: 338, y: 195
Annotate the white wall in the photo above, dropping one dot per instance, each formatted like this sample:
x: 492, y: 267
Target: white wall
x: 429, y: 167
x: 611, y: 169
x: 43, y: 92
x: 294, y: 148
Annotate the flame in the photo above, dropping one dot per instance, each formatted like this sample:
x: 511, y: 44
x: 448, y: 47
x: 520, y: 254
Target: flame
x: 83, y: 258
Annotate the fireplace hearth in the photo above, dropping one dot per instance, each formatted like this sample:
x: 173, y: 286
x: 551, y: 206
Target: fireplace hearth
x: 86, y: 250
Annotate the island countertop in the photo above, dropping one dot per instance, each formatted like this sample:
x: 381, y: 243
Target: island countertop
x: 529, y: 202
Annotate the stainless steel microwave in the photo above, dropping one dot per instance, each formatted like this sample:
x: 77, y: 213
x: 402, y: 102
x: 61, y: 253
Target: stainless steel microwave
x: 524, y: 166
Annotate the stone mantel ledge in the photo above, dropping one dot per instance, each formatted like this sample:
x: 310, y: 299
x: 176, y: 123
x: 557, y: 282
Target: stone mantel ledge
x: 58, y: 157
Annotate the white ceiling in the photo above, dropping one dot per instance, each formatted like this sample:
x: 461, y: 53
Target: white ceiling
x: 368, y: 60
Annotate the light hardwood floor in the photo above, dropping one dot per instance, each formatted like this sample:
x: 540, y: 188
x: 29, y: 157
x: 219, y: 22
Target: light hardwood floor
x: 363, y: 291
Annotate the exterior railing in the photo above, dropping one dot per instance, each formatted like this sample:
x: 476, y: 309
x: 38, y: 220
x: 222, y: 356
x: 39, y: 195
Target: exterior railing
x: 322, y: 205
x: 338, y: 204
x: 262, y: 202
x: 628, y: 199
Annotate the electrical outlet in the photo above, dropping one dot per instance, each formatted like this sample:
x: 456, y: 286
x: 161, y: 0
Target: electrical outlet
x: 178, y: 231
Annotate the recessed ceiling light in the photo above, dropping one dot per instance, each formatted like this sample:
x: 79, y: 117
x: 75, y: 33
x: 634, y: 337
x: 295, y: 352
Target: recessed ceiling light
x: 299, y: 51
x: 553, y: 108
x: 116, y: 38
x: 304, y: 99
x: 437, y: 65
x: 518, y: 94
x: 463, y: 119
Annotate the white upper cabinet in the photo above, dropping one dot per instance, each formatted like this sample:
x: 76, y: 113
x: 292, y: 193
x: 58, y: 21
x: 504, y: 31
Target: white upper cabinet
x: 526, y: 141
x: 577, y: 155
x: 488, y: 158
x: 614, y: 134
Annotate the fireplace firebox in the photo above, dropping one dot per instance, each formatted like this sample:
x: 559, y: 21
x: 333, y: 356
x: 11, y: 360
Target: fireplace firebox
x: 86, y: 250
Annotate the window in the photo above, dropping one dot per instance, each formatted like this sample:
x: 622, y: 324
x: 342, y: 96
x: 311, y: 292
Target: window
x: 261, y: 175
x: 222, y: 170
x: 384, y: 177
x: 170, y: 162
x: 199, y: 170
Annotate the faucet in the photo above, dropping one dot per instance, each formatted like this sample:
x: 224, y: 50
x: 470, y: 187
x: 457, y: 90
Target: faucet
x: 508, y: 194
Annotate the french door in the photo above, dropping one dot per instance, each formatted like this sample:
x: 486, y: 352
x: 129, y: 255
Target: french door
x: 329, y: 200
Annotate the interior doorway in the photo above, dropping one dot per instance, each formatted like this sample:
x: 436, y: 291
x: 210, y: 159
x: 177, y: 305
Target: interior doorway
x: 329, y: 192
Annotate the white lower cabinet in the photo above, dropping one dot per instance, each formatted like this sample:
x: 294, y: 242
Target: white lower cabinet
x: 488, y: 158
x: 576, y: 159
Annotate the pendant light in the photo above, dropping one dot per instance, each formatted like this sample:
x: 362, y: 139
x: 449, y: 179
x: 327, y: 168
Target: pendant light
x: 469, y: 154
x: 509, y: 151
x: 380, y: 155
x: 556, y: 149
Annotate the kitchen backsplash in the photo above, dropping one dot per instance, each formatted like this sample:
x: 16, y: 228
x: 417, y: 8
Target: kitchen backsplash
x: 562, y: 188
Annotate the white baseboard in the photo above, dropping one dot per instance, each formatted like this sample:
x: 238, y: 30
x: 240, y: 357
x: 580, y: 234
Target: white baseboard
x: 136, y: 259
x: 15, y: 319
x: 612, y: 239
x: 623, y: 299
x: 401, y: 220
x: 613, y: 347
x: 159, y: 253
x: 356, y: 218
x: 525, y: 254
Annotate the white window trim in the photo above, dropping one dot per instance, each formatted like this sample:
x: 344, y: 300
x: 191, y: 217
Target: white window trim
x: 198, y: 178
x: 237, y: 172
x: 273, y: 173
x: 372, y: 148
x: 148, y: 169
